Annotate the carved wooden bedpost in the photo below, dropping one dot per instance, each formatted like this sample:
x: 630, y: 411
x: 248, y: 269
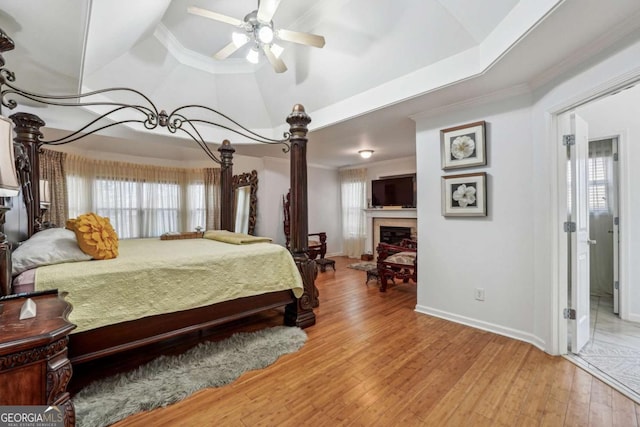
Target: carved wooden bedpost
x: 226, y: 186
x: 300, y: 313
x: 27, y: 146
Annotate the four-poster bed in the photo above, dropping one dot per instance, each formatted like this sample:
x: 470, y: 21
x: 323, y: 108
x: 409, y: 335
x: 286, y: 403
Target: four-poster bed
x: 93, y: 344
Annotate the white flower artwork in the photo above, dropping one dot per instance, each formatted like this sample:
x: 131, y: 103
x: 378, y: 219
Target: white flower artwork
x: 462, y: 147
x: 465, y: 195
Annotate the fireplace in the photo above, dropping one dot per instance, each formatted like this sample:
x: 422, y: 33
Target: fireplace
x: 394, y: 235
x: 376, y: 218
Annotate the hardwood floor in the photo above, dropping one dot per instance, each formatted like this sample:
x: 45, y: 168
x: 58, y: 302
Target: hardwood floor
x: 372, y: 361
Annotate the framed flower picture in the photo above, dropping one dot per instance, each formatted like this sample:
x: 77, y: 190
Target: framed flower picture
x: 464, y: 195
x: 463, y: 146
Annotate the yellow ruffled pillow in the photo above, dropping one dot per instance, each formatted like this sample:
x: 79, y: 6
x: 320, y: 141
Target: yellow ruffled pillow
x: 71, y: 224
x: 96, y: 236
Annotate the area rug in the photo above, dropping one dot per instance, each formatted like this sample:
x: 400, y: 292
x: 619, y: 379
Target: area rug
x: 364, y: 266
x: 168, y: 379
x: 620, y: 362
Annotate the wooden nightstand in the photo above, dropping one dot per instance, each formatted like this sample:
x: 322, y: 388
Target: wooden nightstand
x: 34, y: 369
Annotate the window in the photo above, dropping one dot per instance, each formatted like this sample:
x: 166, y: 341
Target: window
x: 598, y: 184
x: 353, y: 196
x: 600, y: 175
x: 140, y: 200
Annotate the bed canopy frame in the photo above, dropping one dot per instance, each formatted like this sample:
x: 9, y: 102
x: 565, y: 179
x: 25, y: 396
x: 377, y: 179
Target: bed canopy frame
x: 29, y: 139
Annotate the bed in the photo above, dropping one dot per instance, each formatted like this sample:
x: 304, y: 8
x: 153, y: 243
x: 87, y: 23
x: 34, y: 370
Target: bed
x: 99, y: 340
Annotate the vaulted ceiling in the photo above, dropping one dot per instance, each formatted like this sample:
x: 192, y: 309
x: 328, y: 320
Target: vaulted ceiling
x: 383, y: 61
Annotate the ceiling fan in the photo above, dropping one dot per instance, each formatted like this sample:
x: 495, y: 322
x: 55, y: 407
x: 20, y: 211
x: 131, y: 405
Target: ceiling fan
x: 258, y: 28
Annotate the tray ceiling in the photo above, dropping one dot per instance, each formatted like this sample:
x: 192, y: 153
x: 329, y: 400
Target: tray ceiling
x: 378, y: 57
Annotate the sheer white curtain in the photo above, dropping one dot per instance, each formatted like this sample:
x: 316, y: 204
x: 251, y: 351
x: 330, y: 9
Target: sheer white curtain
x: 353, y: 189
x: 140, y: 200
x: 601, y: 216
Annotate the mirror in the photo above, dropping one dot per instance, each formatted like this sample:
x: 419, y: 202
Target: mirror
x: 245, y: 188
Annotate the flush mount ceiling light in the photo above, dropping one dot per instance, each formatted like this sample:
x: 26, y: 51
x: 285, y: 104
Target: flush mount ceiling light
x: 258, y: 28
x: 365, y: 154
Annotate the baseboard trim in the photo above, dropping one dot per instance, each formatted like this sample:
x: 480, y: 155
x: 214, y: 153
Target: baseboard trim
x: 485, y: 326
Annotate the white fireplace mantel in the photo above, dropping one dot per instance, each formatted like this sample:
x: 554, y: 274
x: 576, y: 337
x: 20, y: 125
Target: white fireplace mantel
x: 404, y: 213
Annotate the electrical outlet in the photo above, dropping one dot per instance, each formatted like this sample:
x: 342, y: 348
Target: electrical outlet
x: 480, y: 294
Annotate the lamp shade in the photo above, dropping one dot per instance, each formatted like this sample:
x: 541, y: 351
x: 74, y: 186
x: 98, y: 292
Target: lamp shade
x: 9, y: 185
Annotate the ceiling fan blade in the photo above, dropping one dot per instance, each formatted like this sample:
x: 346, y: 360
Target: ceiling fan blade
x: 301, y: 38
x: 215, y: 16
x: 226, y: 51
x: 267, y: 9
x: 276, y: 63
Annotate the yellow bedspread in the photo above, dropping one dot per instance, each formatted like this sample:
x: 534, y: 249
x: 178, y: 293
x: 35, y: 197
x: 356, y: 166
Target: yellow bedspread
x: 153, y: 276
x: 234, y: 238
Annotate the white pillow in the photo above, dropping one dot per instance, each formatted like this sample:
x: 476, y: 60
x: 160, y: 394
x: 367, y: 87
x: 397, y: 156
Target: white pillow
x: 50, y: 246
x: 404, y: 258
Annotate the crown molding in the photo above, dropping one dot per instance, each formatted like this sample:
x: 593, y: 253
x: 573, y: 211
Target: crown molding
x: 198, y: 61
x: 499, y: 95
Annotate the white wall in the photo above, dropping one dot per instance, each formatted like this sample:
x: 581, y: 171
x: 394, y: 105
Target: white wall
x: 323, y: 202
x: 618, y: 115
x: 459, y: 254
x: 516, y: 253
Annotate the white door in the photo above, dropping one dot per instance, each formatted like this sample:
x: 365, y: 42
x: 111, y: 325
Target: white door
x: 579, y: 240
x: 615, y: 227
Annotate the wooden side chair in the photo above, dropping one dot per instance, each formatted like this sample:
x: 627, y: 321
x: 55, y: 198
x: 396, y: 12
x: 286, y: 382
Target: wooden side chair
x: 397, y: 262
x: 317, y: 243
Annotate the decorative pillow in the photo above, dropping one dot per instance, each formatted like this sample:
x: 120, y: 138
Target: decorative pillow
x: 71, y: 224
x: 96, y: 236
x: 313, y: 242
x: 50, y: 246
x: 404, y: 258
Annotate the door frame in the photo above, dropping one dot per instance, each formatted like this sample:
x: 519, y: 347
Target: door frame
x: 561, y: 263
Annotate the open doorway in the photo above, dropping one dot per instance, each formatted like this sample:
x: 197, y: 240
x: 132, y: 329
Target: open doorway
x: 604, y: 219
x: 611, y: 347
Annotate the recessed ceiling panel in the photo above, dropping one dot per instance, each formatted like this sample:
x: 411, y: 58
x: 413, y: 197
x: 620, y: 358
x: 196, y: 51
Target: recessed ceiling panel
x: 49, y: 38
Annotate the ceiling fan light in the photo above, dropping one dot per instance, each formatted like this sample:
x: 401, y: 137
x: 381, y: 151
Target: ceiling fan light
x: 277, y: 50
x: 239, y: 39
x: 265, y: 34
x: 365, y: 154
x: 253, y: 56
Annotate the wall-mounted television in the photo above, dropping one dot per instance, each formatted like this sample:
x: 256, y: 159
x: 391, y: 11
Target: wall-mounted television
x: 394, y: 191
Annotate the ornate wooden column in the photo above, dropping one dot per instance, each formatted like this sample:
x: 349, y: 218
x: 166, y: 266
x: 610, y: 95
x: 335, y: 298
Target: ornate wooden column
x: 27, y: 146
x: 226, y: 185
x: 301, y: 312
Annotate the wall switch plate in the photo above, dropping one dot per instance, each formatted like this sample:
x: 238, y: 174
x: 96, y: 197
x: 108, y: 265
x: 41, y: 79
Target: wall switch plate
x: 479, y: 294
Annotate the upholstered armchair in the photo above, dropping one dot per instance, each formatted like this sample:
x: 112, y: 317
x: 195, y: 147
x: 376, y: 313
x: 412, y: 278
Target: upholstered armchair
x: 397, y: 262
x: 317, y: 242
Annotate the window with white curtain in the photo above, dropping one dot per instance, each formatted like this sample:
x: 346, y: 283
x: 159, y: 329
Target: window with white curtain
x: 598, y: 182
x: 139, y: 200
x: 353, y: 189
